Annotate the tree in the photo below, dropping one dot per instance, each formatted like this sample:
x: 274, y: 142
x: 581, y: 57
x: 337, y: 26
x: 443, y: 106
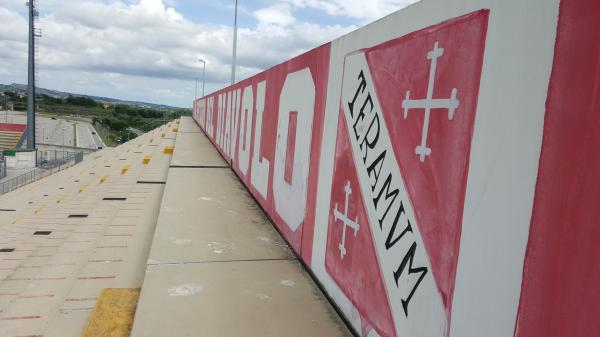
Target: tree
x: 81, y: 101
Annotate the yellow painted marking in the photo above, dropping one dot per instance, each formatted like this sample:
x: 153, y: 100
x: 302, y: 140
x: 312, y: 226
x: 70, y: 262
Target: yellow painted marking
x: 168, y: 150
x: 147, y: 160
x: 39, y: 209
x: 17, y: 219
x: 125, y: 169
x: 103, y: 179
x: 82, y: 188
x: 113, y: 313
x: 175, y: 130
x: 61, y: 199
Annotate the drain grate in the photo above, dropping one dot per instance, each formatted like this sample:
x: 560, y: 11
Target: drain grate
x: 114, y: 199
x: 7, y: 250
x: 78, y: 215
x: 7, y: 210
x: 42, y: 232
x: 152, y: 182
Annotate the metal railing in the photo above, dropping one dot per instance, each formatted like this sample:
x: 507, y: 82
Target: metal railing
x: 47, y: 165
x: 53, y: 158
x: 2, y: 167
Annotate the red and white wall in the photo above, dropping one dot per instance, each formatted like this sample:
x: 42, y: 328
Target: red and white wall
x: 438, y: 170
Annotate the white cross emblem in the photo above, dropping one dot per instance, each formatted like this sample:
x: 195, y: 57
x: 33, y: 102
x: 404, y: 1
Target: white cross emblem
x: 430, y: 103
x: 346, y: 221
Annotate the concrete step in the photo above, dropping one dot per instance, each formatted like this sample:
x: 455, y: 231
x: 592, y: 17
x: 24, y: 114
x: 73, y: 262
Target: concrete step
x: 8, y: 140
x: 49, y: 283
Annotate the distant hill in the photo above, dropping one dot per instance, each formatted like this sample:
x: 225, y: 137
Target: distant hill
x: 22, y: 88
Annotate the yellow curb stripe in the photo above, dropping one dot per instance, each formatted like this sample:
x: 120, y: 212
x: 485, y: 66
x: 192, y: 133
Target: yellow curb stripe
x: 113, y: 313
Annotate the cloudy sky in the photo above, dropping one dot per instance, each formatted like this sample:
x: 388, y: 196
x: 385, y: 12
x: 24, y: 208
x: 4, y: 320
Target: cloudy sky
x: 147, y: 50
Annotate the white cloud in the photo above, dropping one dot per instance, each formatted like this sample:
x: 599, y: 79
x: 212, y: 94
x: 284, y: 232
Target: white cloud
x: 146, y: 50
x: 278, y: 14
x: 365, y: 11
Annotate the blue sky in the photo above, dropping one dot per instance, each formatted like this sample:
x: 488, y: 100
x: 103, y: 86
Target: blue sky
x: 147, y: 50
x: 221, y: 12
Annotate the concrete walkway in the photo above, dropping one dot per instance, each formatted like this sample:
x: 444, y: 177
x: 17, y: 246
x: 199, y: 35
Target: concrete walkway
x: 217, y: 267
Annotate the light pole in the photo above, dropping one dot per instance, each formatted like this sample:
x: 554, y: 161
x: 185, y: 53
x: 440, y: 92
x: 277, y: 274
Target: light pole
x: 203, y: 82
x: 33, y: 14
x: 203, y: 73
x: 63, y: 142
x: 234, y: 44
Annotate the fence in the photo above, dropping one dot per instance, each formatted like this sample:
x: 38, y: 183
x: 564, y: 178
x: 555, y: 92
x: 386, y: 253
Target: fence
x: 2, y: 167
x: 52, y: 158
x: 49, y: 162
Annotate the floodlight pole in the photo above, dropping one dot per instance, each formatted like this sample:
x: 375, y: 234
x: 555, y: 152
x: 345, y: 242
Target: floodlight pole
x: 203, y: 73
x: 31, y: 78
x: 234, y: 43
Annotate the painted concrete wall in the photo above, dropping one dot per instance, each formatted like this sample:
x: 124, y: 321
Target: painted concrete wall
x: 436, y: 169
x: 21, y: 160
x: 12, y: 127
